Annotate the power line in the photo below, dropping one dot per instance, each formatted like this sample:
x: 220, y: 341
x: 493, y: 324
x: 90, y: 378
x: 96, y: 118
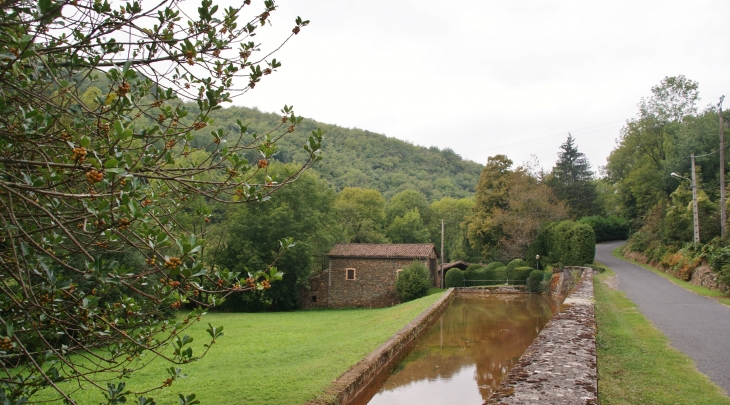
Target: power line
x: 542, y: 139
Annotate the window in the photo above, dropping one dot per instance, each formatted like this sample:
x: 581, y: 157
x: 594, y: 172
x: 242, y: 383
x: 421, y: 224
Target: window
x: 314, y: 285
x: 350, y: 274
x: 314, y: 298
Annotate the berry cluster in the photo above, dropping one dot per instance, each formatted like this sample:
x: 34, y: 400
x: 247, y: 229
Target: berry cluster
x: 94, y: 176
x: 79, y: 154
x: 263, y: 163
x: 173, y: 263
x: 123, y: 89
x: 6, y: 344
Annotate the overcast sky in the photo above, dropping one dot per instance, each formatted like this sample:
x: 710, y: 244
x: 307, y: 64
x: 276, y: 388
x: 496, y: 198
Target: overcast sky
x: 489, y: 77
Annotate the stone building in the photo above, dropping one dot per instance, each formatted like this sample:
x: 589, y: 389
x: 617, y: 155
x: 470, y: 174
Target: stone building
x: 364, y: 274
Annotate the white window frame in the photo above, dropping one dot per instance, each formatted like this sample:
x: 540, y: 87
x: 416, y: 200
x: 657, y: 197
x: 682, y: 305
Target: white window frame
x: 354, y: 274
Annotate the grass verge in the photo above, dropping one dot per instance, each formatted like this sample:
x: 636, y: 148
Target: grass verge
x: 706, y: 292
x: 636, y: 365
x: 276, y: 358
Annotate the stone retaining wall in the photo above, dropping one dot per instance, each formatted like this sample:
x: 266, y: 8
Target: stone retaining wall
x: 560, y: 365
x: 365, y: 375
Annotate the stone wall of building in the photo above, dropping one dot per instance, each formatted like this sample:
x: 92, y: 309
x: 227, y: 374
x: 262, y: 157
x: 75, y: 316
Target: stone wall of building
x: 373, y: 286
x: 316, y: 295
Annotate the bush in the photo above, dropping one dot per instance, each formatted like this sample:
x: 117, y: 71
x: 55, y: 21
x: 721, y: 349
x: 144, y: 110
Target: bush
x: 568, y: 244
x: 472, y: 272
x: 500, y: 275
x: 454, y: 278
x: 515, y: 264
x: 493, y: 265
x: 519, y: 275
x: 607, y: 228
x: 413, y: 282
x: 583, y: 245
x: 534, y: 281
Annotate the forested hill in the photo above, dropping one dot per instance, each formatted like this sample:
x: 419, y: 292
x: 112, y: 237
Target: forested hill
x: 358, y: 158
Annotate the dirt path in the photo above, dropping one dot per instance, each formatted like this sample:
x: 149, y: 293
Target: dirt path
x: 695, y: 325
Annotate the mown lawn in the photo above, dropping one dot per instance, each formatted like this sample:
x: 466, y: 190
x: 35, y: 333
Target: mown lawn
x: 636, y: 365
x: 276, y: 358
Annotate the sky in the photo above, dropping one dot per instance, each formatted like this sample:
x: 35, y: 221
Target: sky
x: 483, y: 78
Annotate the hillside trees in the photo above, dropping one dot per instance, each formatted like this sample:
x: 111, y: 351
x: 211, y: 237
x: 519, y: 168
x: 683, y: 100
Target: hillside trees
x: 648, y: 153
x: 659, y: 141
x: 362, y: 213
x: 98, y: 156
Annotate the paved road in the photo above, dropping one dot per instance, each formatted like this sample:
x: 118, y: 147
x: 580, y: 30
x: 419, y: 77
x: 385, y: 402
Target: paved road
x: 695, y: 325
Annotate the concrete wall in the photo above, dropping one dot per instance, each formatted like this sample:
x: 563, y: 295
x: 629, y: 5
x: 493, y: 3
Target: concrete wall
x: 367, y: 375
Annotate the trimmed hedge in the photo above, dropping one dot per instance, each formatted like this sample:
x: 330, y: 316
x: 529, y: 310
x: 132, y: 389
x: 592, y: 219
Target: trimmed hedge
x: 565, y: 243
x: 471, y: 272
x: 534, y: 281
x: 454, y: 278
x: 519, y: 275
x: 607, y: 228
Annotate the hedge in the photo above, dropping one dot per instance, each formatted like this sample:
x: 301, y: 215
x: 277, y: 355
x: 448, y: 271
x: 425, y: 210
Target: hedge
x: 607, y: 228
x: 565, y: 243
x: 454, y: 278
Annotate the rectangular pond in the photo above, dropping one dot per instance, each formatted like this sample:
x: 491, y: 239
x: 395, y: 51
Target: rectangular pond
x: 466, y: 353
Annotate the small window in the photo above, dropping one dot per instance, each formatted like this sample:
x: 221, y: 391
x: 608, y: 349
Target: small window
x: 350, y: 274
x: 314, y: 298
x: 314, y: 285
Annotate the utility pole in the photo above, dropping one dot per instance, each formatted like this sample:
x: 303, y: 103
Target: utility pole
x: 442, y: 255
x: 723, y: 209
x: 694, y: 202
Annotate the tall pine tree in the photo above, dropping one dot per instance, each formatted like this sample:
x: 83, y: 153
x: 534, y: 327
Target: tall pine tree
x: 572, y: 181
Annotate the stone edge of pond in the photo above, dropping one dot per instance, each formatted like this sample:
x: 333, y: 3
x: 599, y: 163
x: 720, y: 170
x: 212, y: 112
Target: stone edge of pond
x: 359, y: 377
x: 559, y: 367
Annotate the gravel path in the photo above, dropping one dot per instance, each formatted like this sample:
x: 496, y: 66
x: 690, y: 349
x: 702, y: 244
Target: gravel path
x: 695, y: 325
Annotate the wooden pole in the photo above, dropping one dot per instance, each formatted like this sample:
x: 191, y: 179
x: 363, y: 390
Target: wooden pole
x: 442, y: 256
x: 723, y: 209
x: 694, y: 202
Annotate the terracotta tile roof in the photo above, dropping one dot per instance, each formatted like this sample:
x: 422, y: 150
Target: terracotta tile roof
x: 407, y: 250
x: 459, y: 265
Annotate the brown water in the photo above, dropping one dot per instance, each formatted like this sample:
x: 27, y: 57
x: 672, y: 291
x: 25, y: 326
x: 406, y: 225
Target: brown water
x: 464, y: 356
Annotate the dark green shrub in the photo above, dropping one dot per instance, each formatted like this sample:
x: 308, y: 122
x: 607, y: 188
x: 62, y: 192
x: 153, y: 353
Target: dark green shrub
x: 454, y: 278
x: 607, y: 228
x: 516, y: 263
x: 568, y: 243
x: 582, y: 245
x: 519, y: 275
x: 494, y: 265
x: 413, y: 282
x: 493, y: 273
x: 470, y: 274
x: 534, y: 281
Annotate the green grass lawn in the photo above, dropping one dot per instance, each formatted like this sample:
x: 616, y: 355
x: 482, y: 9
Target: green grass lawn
x: 276, y: 358
x: 636, y: 365
x: 716, y: 295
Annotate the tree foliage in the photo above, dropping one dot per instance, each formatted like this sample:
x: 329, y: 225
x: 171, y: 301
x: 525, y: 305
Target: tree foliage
x: 362, y: 213
x: 572, y: 181
x: 99, y: 160
x: 511, y: 207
